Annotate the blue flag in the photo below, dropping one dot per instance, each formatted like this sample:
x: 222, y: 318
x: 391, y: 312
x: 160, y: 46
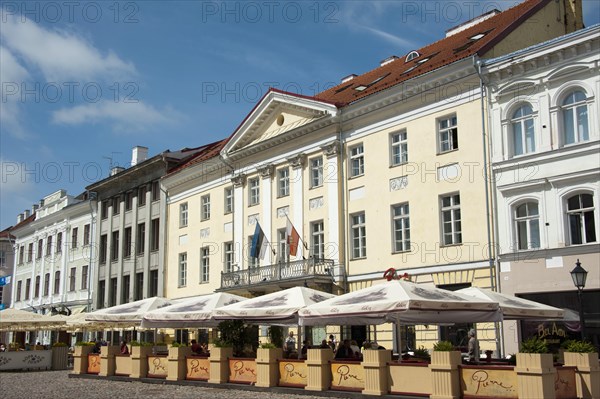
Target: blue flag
x: 259, y: 243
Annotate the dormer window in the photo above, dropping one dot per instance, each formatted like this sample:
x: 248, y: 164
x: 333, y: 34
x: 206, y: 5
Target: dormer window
x: 477, y: 36
x: 360, y: 88
x: 411, y: 56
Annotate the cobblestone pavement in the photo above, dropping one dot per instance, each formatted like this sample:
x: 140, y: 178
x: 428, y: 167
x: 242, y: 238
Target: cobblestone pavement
x: 58, y: 385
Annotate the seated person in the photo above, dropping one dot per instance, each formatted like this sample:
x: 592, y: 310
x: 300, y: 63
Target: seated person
x: 304, y: 350
x: 96, y: 348
x: 324, y: 345
x: 344, y: 351
x: 124, y: 348
x: 196, y: 348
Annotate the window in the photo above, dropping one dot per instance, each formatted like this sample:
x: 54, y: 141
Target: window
x: 2, y: 258
x: 46, y: 284
x: 72, y: 278
x: 228, y: 199
x: 447, y: 134
x: 450, y: 214
x: 19, y: 286
x: 84, y: 277
x: 316, y: 172
x: 125, y: 286
x: 101, y: 293
x: 27, y: 288
x: 183, y: 215
x: 399, y: 147
x: 182, y: 280
x: 139, y: 286
x: 29, y: 253
x: 37, y: 286
x: 523, y: 130
x: 282, y: 244
x: 254, y: 191
x: 40, y: 249
x: 527, y: 225
x: 74, y: 234
x: 59, y: 243
x: 153, y: 283
x: 141, y: 238
x: 205, y: 207
x: 580, y: 214
x: 204, y: 264
x: 155, y: 191
x: 154, y: 234
x: 128, y: 200
x: 252, y: 262
x: 116, y: 205
x: 228, y: 260
x: 114, y: 249
x: 57, y: 282
x: 283, y: 182
x: 48, y: 245
x: 103, y: 248
x: 142, y: 195
x: 112, y: 295
x: 104, y: 209
x: 357, y: 161
x: 401, y: 227
x: 86, y: 234
x: 575, y: 118
x: 317, y: 240
x: 359, y: 236
x: 127, y: 242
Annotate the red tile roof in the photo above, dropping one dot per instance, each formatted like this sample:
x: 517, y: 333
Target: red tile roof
x: 30, y: 219
x: 209, y: 151
x: 441, y: 53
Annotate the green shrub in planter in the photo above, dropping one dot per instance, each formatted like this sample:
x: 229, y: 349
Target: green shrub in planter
x: 534, y: 345
x: 83, y: 343
x: 268, y: 345
x: 577, y: 346
x: 219, y: 343
x: 422, y: 353
x: 178, y: 344
x: 58, y: 344
x: 443, y: 346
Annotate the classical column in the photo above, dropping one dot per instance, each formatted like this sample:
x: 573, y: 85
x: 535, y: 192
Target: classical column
x: 266, y: 173
x: 297, y: 212
x: 238, y: 214
x: 331, y: 178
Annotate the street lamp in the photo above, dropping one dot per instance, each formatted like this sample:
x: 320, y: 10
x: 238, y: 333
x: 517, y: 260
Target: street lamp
x: 579, y: 275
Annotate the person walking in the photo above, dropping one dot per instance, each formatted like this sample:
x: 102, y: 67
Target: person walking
x: 290, y: 345
x: 473, y: 347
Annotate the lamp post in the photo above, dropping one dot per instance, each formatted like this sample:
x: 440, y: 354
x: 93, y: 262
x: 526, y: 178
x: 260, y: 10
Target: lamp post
x: 579, y: 275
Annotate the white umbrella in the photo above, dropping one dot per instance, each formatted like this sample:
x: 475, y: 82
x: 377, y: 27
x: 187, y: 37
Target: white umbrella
x: 20, y: 320
x: 191, y: 312
x: 277, y: 308
x: 128, y: 314
x: 515, y: 308
x: 400, y: 301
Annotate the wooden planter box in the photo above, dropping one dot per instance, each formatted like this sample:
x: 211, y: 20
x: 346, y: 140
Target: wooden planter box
x: 139, y: 361
x: 319, y: 372
x: 535, y: 375
x: 445, y: 378
x: 80, y: 359
x: 587, y: 374
x: 267, y: 367
x: 60, y: 356
x: 376, y: 371
x: 176, y: 360
x: 219, y: 364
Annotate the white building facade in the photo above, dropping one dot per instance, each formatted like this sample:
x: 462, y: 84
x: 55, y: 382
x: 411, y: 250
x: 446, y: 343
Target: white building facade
x: 545, y: 134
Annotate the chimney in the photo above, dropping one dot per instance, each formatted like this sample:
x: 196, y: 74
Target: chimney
x: 26, y: 214
x: 348, y: 78
x: 116, y: 169
x: 34, y: 208
x: 20, y: 218
x: 138, y: 154
x: 472, y: 22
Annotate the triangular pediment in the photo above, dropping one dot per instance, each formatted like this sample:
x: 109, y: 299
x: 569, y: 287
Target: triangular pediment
x: 276, y: 114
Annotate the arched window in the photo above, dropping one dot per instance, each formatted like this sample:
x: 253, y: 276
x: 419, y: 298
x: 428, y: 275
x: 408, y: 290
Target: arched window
x: 523, y: 130
x: 580, y: 215
x: 575, y: 118
x: 527, y: 226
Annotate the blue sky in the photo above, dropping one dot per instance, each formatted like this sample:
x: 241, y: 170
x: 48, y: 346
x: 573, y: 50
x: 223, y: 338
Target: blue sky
x: 84, y: 82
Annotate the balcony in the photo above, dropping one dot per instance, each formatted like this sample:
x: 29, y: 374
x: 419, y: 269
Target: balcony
x: 313, y: 272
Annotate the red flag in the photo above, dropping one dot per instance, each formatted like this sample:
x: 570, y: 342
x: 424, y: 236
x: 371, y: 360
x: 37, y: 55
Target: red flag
x: 293, y: 238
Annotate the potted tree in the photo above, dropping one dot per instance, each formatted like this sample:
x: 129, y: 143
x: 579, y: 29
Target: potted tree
x: 445, y: 353
x: 535, y: 370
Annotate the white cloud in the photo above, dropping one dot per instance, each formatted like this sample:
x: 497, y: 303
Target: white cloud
x: 12, y: 73
x: 61, y: 55
x: 124, y: 117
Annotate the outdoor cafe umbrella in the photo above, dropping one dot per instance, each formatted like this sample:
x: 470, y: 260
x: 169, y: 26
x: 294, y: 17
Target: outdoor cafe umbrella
x: 191, y: 312
x: 128, y: 314
x: 20, y: 320
x: 277, y: 308
x: 515, y: 308
x: 400, y: 301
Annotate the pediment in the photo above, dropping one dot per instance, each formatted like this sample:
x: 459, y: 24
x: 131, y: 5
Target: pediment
x: 276, y: 114
x: 519, y: 88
